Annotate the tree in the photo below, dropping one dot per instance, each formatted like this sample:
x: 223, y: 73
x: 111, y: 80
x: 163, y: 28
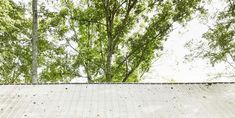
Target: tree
x: 221, y: 36
x: 34, y: 42
x: 102, y: 40
x: 117, y: 40
x: 219, y: 41
x: 16, y: 48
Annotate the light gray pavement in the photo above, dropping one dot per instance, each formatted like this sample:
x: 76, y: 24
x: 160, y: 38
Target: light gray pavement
x: 118, y: 101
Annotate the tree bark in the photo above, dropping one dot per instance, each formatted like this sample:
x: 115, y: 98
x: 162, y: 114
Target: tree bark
x: 109, y: 55
x: 109, y: 29
x: 34, y: 43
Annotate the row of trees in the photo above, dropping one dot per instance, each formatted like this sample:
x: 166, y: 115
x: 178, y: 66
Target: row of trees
x: 102, y: 40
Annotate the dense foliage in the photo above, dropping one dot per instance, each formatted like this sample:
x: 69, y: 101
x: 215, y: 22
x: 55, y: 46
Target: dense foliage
x: 102, y: 40
x: 14, y: 43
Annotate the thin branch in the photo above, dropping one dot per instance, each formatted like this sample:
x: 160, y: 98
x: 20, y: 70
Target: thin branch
x: 233, y: 58
x: 131, y: 53
x: 134, y: 68
x: 151, y: 64
x: 116, y: 10
x: 123, y: 24
x: 230, y: 63
x: 71, y: 45
x: 90, y: 21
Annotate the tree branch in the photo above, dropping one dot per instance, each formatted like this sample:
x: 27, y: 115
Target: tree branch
x: 120, y: 28
x: 134, y: 68
x: 116, y: 9
x: 151, y: 64
x: 132, y: 53
x: 90, y: 21
x: 71, y: 45
x: 230, y: 63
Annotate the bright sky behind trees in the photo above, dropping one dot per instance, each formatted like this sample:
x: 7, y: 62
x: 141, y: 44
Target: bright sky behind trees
x: 172, y: 66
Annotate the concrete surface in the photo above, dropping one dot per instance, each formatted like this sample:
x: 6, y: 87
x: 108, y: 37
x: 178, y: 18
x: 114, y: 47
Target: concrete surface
x: 118, y: 101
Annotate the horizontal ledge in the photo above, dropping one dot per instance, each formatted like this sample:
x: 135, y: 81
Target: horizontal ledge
x: 180, y: 83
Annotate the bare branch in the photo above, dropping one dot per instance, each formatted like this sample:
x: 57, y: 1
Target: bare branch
x: 233, y: 58
x: 230, y: 63
x: 71, y: 45
x: 151, y: 64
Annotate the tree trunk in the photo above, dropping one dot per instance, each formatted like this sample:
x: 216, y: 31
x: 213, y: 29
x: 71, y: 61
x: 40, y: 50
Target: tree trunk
x: 34, y: 43
x: 109, y: 29
x: 109, y: 56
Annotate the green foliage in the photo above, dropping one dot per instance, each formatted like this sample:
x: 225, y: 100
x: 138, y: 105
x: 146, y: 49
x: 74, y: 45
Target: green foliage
x: 112, y: 40
x: 14, y: 50
x: 219, y: 41
x: 221, y: 37
x: 106, y: 43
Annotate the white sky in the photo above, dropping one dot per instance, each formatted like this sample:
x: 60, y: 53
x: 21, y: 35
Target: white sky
x: 171, y: 67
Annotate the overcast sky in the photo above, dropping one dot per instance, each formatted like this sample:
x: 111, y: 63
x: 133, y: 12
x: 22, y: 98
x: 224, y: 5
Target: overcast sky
x: 171, y: 67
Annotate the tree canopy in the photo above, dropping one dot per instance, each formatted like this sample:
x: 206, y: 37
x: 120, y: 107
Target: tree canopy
x: 102, y: 40
x: 14, y: 41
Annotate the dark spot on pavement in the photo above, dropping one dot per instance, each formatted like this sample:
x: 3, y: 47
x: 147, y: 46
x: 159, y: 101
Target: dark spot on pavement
x: 208, y: 84
x: 34, y: 102
x: 204, y: 96
x: 171, y: 87
x: 66, y: 88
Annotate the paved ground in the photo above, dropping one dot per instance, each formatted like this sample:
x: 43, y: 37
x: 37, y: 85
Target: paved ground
x: 118, y: 101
